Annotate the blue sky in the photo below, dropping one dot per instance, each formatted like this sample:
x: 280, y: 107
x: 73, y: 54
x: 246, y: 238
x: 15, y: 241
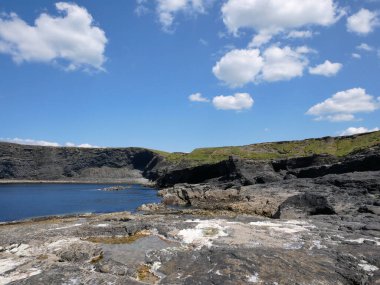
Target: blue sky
x: 122, y: 73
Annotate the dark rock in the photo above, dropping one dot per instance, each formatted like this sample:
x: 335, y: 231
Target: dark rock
x: 307, y: 204
x: 372, y: 227
x: 67, y: 163
x: 224, y: 170
x: 114, y: 188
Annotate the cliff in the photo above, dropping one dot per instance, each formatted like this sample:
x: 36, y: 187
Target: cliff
x: 74, y: 164
x: 244, y: 165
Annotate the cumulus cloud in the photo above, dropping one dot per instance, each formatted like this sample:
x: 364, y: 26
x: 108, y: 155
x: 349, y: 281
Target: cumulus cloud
x: 343, y: 105
x: 326, y: 69
x: 273, y: 16
x: 167, y: 10
x: 364, y: 47
x: 197, y: 97
x: 363, y: 22
x: 283, y: 63
x: 299, y: 34
x: 43, y: 143
x: 70, y: 37
x: 356, y: 55
x: 237, y: 102
x: 360, y: 130
x: 239, y: 67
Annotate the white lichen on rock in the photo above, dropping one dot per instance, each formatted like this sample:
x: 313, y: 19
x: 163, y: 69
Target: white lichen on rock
x: 204, y: 232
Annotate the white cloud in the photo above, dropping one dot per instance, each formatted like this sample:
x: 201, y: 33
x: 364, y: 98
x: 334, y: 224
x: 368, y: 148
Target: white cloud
x: 273, y: 16
x: 71, y: 37
x: 363, y: 22
x: 237, y: 102
x: 326, y: 69
x: 197, y: 97
x: 365, y: 47
x: 360, y: 130
x: 167, y: 9
x: 260, y: 39
x: 29, y: 142
x: 141, y: 8
x: 239, y: 67
x: 43, y: 143
x: 299, y: 34
x: 337, y: 118
x: 83, y: 145
x: 283, y: 63
x: 343, y: 105
x: 356, y: 55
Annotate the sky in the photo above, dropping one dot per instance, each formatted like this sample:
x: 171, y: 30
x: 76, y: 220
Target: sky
x: 176, y: 75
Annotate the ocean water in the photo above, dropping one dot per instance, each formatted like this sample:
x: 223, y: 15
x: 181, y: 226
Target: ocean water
x: 21, y: 201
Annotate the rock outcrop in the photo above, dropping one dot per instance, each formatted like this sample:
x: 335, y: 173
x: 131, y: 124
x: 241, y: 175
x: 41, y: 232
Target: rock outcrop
x: 186, y: 247
x: 302, y: 220
x: 19, y: 162
x: 248, y: 172
x: 343, y: 194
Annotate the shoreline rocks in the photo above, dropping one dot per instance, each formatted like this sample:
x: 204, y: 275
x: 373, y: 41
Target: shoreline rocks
x: 187, y: 247
x: 309, y: 220
x: 115, y: 188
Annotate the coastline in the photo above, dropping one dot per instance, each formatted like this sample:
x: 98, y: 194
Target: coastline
x: 43, y: 250
x: 60, y: 218
x: 142, y: 182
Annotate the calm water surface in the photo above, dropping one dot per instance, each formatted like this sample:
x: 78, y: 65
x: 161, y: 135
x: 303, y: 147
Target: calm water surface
x: 21, y: 201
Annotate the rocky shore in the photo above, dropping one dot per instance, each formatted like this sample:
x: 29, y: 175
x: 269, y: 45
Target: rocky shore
x: 302, y: 220
x: 188, y: 246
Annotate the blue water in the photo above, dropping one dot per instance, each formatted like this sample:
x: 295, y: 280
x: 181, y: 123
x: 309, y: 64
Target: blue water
x: 21, y: 201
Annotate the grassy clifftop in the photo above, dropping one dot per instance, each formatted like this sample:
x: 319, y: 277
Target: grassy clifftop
x: 338, y: 146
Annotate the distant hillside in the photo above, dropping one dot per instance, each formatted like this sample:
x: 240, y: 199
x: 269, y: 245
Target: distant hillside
x: 22, y: 162
x: 337, y: 146
x: 75, y: 164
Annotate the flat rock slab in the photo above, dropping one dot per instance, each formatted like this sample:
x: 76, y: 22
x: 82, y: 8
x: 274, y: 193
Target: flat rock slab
x: 188, y: 248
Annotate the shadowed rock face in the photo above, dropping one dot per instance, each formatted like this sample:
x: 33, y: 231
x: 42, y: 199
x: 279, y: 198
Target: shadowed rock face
x: 128, y: 164
x: 224, y: 170
x: 292, y: 188
x: 58, y: 163
x: 250, y: 172
x: 344, y: 194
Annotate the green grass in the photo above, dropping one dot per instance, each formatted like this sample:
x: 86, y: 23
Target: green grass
x: 338, y: 146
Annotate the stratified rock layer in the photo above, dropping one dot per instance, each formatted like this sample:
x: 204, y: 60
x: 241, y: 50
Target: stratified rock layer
x: 18, y: 162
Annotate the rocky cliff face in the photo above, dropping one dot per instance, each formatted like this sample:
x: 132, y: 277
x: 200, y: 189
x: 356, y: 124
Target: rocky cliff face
x: 20, y: 162
x: 76, y: 164
x: 291, y: 188
x: 249, y: 172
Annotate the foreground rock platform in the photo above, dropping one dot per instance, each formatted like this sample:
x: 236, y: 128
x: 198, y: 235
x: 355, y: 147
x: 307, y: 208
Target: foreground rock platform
x: 189, y: 246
